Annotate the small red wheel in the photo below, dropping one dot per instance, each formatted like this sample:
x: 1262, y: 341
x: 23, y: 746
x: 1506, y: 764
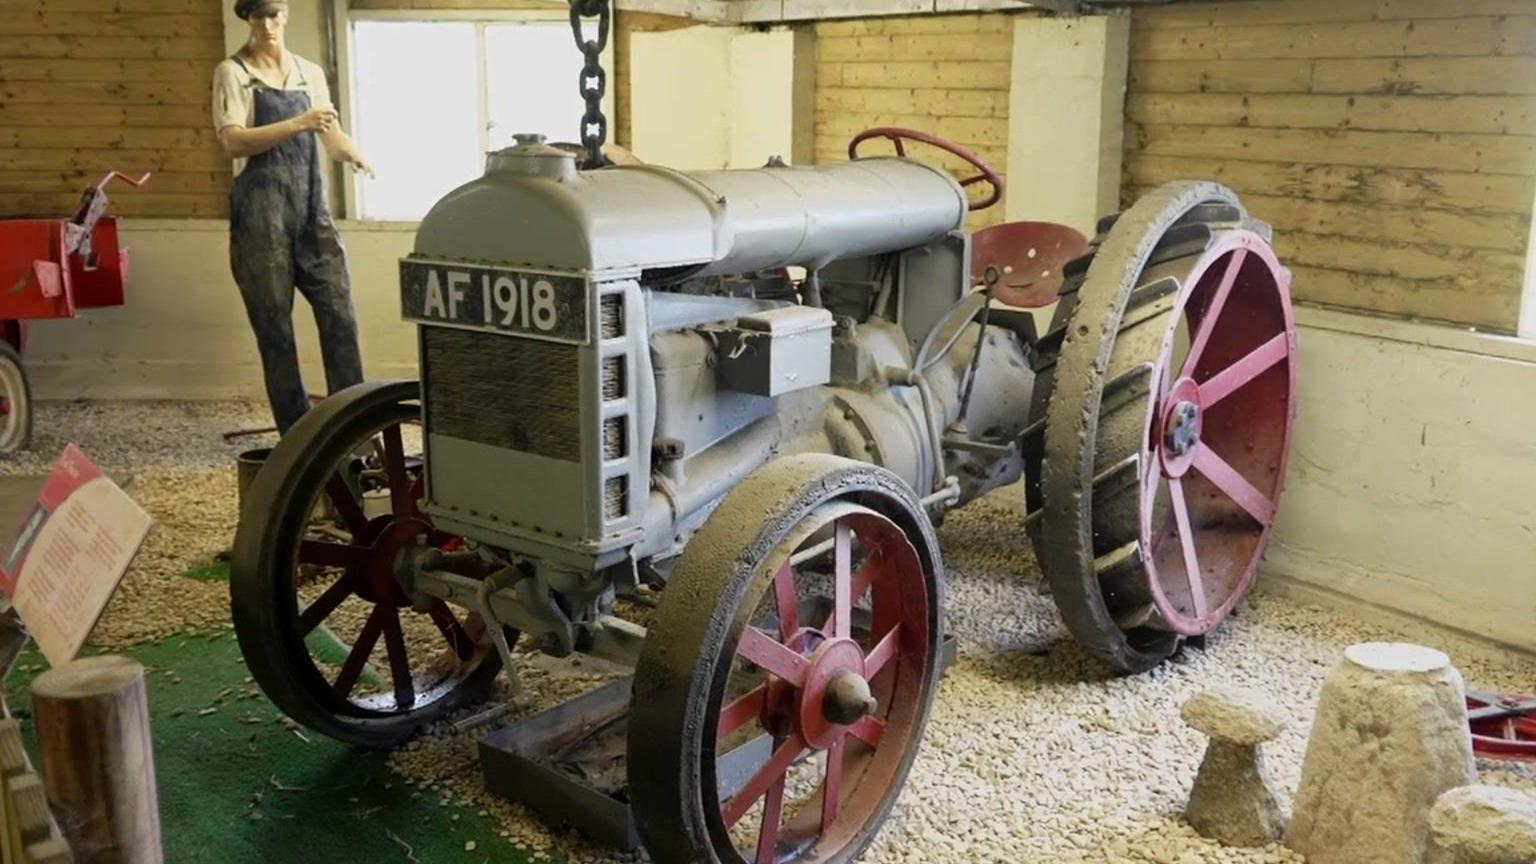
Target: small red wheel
x: 897, y: 136
x: 1503, y: 727
x: 788, y: 672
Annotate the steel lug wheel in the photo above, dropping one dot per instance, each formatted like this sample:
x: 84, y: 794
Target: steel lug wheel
x: 1163, y: 425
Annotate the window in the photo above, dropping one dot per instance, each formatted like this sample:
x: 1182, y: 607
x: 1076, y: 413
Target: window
x: 431, y: 96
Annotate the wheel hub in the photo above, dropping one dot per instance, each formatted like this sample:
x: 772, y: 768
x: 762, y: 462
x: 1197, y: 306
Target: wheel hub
x: 848, y: 699
x: 1184, y: 428
x: 832, y: 691
x: 1182, y: 424
x: 393, y: 537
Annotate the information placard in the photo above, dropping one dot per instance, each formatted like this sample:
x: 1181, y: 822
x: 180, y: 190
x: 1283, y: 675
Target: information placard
x: 70, y: 554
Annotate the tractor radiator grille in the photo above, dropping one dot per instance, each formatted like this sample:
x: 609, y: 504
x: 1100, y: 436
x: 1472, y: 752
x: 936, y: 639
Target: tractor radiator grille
x: 503, y: 391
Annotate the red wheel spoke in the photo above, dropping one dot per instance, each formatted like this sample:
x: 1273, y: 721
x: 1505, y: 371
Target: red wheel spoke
x: 901, y: 149
x: 778, y: 766
x: 789, y: 603
x: 738, y: 713
x: 1187, y: 541
x: 861, y: 582
x: 832, y: 789
x: 882, y: 653
x: 399, y: 660
x: 419, y: 487
x: 1213, y: 312
x: 869, y: 730
x: 773, y: 810
x: 765, y: 651
x: 345, y: 504
x: 448, y: 624
x: 325, y: 604
x: 352, y: 669
x: 1232, y: 484
x: 1224, y: 383
x: 401, y: 500
x: 842, y: 580
x: 327, y: 554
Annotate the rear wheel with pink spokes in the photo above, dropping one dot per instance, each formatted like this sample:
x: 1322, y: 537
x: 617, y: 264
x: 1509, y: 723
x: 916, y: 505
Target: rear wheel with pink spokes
x: 1166, y: 430
x: 788, y: 674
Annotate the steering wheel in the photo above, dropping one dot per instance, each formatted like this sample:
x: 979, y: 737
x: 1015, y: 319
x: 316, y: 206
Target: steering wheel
x: 898, y: 135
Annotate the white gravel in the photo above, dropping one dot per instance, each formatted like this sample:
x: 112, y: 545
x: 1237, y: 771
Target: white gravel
x: 1033, y: 753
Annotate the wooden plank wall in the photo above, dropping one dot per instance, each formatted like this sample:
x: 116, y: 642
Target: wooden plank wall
x: 945, y: 74
x: 1391, y: 142
x: 88, y: 86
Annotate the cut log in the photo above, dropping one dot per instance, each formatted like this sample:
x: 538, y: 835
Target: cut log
x: 97, y: 759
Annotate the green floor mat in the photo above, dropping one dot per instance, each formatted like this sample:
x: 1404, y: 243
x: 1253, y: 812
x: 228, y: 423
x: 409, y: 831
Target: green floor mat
x: 237, y: 786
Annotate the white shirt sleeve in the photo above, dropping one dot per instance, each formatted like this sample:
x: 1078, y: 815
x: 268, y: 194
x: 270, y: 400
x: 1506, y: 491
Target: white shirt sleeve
x: 231, y: 98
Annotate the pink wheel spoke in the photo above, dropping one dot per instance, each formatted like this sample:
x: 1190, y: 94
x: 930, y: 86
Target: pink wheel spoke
x: 352, y: 669
x: 1257, y: 362
x: 832, y: 789
x: 400, y: 498
x: 1232, y: 484
x: 765, y: 651
x: 345, y: 504
x: 325, y: 604
x: 1213, y: 312
x: 399, y: 660
x: 882, y: 653
x: 448, y: 624
x: 869, y: 730
x: 778, y: 766
x: 789, y: 603
x: 738, y: 713
x: 328, y: 554
x: 1187, y: 541
x: 773, y: 811
x: 842, y: 578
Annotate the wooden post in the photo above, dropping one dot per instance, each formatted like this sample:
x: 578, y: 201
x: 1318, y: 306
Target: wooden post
x: 98, y: 762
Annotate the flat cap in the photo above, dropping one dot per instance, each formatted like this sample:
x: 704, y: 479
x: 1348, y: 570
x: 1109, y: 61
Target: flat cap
x: 244, y: 9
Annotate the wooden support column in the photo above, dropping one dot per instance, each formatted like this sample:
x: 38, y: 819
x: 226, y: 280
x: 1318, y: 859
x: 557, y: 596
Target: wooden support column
x: 97, y: 758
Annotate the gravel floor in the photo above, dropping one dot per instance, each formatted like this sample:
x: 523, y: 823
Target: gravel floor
x: 1032, y: 755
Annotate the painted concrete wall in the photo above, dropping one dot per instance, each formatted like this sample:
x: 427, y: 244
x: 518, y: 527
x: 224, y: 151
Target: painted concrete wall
x: 711, y: 97
x: 183, y: 333
x: 1413, y: 476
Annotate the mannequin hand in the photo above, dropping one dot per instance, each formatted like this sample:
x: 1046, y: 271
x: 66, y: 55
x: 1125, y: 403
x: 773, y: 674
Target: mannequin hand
x: 316, y: 120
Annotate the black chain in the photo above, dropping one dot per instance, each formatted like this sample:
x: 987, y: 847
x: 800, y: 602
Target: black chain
x: 594, y: 80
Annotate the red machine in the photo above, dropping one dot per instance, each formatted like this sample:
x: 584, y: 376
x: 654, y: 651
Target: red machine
x: 1503, y: 726
x: 50, y: 268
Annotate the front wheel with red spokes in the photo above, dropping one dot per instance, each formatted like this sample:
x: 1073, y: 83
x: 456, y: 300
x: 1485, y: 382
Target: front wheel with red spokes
x: 788, y: 674
x: 322, y: 620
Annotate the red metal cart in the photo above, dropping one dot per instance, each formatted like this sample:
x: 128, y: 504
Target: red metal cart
x: 50, y: 268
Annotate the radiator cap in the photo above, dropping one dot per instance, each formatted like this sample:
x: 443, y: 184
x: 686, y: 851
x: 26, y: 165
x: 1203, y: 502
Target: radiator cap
x: 531, y: 157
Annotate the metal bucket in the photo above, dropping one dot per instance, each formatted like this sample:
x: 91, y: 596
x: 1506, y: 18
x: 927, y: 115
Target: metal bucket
x: 246, y: 466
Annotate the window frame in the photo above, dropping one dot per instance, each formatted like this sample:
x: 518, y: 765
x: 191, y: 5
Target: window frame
x: 343, y: 16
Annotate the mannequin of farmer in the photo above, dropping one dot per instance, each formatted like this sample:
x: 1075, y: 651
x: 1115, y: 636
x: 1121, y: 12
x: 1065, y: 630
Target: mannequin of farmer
x: 273, y: 112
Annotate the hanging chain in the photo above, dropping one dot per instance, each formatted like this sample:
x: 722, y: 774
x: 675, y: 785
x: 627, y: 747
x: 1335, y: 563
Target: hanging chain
x: 594, y: 80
